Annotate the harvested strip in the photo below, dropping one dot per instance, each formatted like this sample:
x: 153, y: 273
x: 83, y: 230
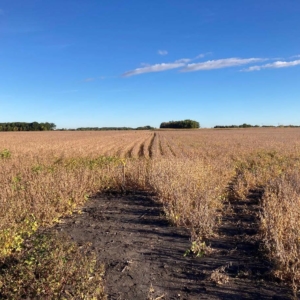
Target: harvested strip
x: 172, y: 143
x: 147, y: 146
x: 136, y: 144
x: 137, y: 150
x: 166, y: 148
x: 143, y: 148
x: 150, y: 148
x: 160, y: 146
x: 154, y: 150
x: 126, y: 148
x: 111, y: 149
x: 144, y: 256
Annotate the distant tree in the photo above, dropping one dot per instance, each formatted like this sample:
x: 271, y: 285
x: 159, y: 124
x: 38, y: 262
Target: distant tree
x: 114, y: 128
x: 245, y: 125
x: 185, y: 124
x: 145, y: 128
x: 256, y: 126
x: 22, y: 126
x: 236, y: 126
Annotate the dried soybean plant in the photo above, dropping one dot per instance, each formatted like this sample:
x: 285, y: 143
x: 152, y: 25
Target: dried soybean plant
x: 46, y: 175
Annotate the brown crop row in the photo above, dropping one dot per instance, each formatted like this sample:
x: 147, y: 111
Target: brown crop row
x: 46, y: 175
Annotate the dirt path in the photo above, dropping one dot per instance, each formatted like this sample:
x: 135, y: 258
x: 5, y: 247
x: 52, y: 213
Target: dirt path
x: 144, y: 255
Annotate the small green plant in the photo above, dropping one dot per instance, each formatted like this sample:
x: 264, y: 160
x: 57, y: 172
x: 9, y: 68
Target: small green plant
x: 37, y: 168
x: 10, y: 240
x: 50, y: 266
x: 17, y: 183
x: 197, y: 249
x: 5, y: 154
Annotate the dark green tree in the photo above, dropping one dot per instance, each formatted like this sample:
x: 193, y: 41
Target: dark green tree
x: 185, y: 124
x: 23, y: 126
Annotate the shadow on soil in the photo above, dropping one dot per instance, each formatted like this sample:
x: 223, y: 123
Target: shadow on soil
x: 144, y: 255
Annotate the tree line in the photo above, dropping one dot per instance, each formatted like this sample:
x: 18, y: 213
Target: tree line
x: 251, y: 126
x: 113, y: 128
x: 184, y: 124
x: 23, y: 126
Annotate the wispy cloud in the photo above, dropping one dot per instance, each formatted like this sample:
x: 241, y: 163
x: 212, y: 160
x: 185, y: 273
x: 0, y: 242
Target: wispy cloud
x: 147, y: 68
x: 220, y: 64
x: 183, y: 60
x: 154, y: 68
x: 274, y: 65
x: 89, y: 79
x: 185, y: 64
x: 162, y: 52
x: 200, y: 56
x: 187, y: 60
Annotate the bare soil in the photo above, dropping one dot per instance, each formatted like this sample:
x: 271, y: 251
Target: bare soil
x: 144, y: 255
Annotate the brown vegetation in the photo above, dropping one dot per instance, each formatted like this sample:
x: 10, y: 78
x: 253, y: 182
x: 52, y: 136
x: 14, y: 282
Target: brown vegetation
x: 47, y: 175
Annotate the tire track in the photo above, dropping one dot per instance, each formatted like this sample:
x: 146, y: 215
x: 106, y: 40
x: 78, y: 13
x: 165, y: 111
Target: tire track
x: 144, y: 147
x: 147, y: 146
x: 130, y: 153
x: 161, y: 148
x: 155, y: 151
x: 138, y: 150
x: 141, y: 251
x: 112, y: 150
x: 126, y: 151
x: 165, y: 148
x: 171, y: 150
x: 124, y: 146
x: 141, y: 150
x: 150, y: 147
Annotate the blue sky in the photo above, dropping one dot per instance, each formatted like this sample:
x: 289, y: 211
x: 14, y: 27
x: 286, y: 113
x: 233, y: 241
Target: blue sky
x: 133, y: 63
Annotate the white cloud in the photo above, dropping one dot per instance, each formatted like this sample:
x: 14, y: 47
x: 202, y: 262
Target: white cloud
x: 154, y: 68
x: 219, y: 64
x: 147, y: 68
x: 162, y: 52
x: 186, y: 60
x: 274, y: 65
x: 183, y: 60
x: 200, y: 55
x: 253, y: 68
